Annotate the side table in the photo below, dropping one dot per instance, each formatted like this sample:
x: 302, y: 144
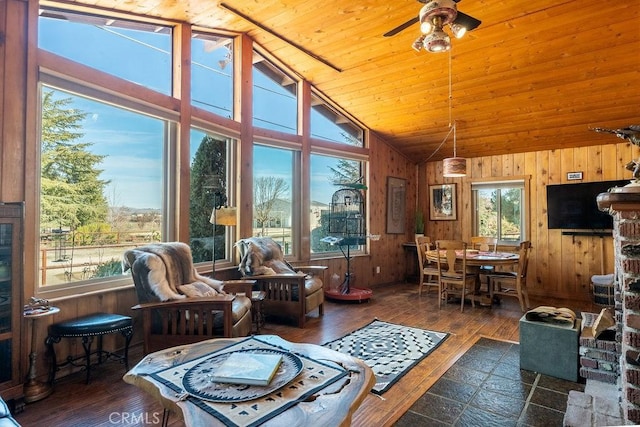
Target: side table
x: 257, y: 299
x: 35, y: 390
x: 333, y: 405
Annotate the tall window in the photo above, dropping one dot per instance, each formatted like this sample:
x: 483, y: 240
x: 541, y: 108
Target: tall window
x: 101, y: 185
x: 212, y: 73
x: 327, y: 173
x: 209, y: 178
x: 499, y: 210
x: 273, y: 195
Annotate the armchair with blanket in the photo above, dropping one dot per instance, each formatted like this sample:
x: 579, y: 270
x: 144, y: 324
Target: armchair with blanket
x: 290, y: 291
x: 180, y: 306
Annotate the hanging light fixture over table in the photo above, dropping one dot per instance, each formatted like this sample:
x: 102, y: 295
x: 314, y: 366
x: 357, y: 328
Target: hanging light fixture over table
x: 454, y: 167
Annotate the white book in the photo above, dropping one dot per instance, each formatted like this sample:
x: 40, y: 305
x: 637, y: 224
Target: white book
x: 248, y: 368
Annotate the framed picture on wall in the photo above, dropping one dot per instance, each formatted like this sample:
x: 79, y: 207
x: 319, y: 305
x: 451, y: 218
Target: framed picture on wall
x: 442, y: 202
x: 396, y: 194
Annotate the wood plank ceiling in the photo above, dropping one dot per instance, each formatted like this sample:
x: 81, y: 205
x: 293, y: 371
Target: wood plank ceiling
x: 535, y: 75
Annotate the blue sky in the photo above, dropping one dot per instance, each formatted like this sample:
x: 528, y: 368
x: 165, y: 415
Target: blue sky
x: 132, y: 143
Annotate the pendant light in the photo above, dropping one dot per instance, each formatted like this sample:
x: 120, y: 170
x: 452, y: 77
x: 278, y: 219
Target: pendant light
x: 454, y: 167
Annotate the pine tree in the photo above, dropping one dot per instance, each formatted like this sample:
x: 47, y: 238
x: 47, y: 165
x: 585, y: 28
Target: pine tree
x: 72, y: 194
x: 208, y: 175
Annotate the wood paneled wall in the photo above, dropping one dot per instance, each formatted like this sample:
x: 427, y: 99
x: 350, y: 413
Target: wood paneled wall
x: 561, y: 266
x: 386, y: 253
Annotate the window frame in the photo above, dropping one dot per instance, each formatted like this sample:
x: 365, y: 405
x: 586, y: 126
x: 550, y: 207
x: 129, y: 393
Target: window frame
x: 522, y: 182
x: 168, y: 202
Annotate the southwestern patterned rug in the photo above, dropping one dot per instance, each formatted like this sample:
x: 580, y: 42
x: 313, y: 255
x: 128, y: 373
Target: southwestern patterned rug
x: 390, y: 350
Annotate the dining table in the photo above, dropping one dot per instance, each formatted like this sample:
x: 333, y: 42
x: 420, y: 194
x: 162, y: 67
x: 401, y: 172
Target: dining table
x: 316, y: 385
x: 477, y: 259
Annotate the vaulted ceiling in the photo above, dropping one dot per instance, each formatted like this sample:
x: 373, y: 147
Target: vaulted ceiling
x: 535, y: 75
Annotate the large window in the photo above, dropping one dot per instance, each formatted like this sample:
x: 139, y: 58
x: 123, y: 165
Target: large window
x: 272, y: 195
x: 210, y: 155
x: 500, y: 210
x: 114, y: 157
x: 101, y: 185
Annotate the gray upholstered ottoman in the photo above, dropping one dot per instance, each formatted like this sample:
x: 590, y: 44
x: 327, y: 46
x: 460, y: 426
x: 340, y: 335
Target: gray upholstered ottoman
x: 550, y: 349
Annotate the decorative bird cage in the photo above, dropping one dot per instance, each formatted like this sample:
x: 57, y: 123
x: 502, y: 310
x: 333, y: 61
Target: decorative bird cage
x: 347, y: 218
x: 347, y: 228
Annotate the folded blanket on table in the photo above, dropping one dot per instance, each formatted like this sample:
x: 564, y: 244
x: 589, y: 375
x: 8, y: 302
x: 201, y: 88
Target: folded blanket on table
x: 558, y: 316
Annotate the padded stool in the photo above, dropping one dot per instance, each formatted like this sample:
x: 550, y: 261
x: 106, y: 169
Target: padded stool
x: 550, y: 349
x: 88, y: 327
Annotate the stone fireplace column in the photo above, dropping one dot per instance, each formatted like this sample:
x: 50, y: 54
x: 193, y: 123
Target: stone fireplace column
x: 624, y: 206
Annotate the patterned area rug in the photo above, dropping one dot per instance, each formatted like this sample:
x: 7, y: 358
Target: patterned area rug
x: 389, y: 349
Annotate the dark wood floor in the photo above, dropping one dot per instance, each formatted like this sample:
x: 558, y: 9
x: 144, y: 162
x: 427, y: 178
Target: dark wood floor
x: 109, y: 401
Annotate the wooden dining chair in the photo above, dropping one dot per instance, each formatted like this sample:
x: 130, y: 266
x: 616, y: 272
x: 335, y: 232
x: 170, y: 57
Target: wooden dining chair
x: 453, y: 274
x: 484, y: 244
x: 429, y: 275
x: 513, y: 283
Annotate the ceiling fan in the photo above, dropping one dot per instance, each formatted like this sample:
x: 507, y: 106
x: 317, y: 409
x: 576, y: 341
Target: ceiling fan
x: 433, y: 16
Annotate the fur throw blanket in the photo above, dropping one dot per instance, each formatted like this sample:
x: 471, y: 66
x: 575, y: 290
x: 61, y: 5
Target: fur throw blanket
x: 261, y: 256
x: 166, y: 271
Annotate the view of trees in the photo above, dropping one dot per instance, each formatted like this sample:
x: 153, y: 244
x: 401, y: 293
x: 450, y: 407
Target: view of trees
x: 74, y: 211
x: 346, y: 172
x: 266, y: 191
x: 208, y: 176
x: 72, y: 191
x: 509, y: 203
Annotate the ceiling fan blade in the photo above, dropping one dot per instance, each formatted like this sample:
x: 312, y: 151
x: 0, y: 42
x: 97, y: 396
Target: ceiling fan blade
x: 469, y: 22
x: 399, y: 28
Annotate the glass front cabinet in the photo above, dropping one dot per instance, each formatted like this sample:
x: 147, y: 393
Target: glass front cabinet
x: 11, y: 300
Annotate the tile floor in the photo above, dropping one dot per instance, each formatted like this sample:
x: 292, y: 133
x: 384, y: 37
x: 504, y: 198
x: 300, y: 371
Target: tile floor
x: 486, y: 387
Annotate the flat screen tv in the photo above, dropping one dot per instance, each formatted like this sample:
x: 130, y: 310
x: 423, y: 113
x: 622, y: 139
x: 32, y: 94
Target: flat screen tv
x: 573, y: 206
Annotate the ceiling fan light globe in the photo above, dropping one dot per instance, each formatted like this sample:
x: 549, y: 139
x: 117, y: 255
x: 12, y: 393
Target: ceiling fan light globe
x: 458, y: 30
x: 426, y: 27
x: 437, y: 41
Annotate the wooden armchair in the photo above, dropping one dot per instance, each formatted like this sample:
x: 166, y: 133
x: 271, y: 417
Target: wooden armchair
x: 170, y: 323
x: 178, y: 306
x: 290, y: 291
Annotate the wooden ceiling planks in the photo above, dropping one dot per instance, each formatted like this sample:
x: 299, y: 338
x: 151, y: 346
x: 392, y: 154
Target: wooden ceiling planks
x: 535, y: 75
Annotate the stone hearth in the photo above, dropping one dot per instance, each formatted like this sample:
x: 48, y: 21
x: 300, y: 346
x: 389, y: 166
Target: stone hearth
x: 624, y: 207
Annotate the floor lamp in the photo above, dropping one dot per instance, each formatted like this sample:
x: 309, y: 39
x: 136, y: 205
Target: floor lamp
x: 221, y: 215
